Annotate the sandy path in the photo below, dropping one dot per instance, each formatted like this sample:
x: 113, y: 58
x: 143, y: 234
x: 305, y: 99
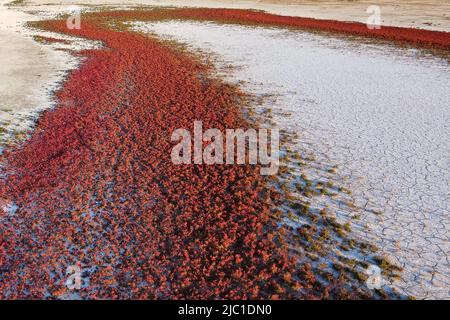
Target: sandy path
x: 357, y: 107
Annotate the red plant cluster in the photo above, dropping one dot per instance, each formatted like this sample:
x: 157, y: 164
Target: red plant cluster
x: 418, y: 37
x: 95, y: 185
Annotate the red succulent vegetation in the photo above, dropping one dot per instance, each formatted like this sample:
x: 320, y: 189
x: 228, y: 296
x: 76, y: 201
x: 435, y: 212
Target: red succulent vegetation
x: 95, y: 184
x: 416, y: 37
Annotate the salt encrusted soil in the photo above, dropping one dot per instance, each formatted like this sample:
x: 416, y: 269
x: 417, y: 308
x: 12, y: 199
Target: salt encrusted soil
x: 378, y: 113
x: 106, y: 281
x: 30, y: 70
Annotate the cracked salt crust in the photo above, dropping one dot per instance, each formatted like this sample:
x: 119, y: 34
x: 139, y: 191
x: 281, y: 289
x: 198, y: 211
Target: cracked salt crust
x: 379, y: 113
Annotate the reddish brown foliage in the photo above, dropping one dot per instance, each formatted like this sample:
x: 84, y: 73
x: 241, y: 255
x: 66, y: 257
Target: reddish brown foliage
x: 95, y: 183
x: 419, y: 37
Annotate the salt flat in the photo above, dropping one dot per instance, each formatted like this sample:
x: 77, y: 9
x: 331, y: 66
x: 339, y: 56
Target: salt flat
x: 378, y: 113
